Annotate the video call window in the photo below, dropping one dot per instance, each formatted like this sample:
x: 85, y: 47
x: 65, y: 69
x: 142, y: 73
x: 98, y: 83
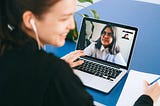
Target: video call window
x: 100, y: 37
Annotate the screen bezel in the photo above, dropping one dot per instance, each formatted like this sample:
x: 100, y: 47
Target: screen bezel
x: 81, y: 39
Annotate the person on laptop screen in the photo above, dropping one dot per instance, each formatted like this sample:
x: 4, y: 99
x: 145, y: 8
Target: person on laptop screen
x: 106, y: 47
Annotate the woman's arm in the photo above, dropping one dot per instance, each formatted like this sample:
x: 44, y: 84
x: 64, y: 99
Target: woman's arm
x: 144, y: 100
x: 151, y: 95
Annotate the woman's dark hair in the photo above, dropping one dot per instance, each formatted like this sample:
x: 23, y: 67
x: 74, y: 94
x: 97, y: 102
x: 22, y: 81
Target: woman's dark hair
x: 113, y: 47
x: 11, y: 12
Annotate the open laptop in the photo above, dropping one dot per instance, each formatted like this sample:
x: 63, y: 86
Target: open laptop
x: 97, y: 72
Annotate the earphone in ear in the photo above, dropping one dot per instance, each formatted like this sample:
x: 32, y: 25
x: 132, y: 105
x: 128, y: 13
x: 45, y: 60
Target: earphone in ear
x: 33, y: 25
x: 35, y: 31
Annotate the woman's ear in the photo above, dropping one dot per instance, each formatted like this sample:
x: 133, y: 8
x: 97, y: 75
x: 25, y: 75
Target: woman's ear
x: 26, y: 18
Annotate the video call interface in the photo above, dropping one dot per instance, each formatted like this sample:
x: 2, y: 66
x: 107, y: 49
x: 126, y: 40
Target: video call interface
x: 92, y: 31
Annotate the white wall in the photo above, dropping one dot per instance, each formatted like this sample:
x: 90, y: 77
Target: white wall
x: 84, y: 4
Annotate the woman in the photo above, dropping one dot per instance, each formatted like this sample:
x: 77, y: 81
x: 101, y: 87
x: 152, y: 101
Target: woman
x: 105, y: 47
x: 28, y: 75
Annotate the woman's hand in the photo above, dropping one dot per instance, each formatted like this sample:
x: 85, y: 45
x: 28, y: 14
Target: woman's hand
x: 72, y: 56
x: 152, y: 90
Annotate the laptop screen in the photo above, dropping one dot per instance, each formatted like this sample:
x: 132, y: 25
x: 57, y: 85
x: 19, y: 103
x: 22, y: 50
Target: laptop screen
x: 107, y: 41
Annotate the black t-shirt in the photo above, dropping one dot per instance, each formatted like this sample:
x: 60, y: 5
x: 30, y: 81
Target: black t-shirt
x: 32, y: 77
x: 29, y: 77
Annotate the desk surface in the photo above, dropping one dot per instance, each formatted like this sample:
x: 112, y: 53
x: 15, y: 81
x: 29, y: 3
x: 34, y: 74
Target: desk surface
x: 146, y: 57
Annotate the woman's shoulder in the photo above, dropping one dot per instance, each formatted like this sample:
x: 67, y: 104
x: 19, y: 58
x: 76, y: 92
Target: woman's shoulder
x: 33, y: 60
x: 92, y: 45
x: 53, y: 62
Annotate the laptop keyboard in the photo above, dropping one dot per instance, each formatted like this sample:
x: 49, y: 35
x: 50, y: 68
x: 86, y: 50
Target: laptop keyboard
x: 100, y: 70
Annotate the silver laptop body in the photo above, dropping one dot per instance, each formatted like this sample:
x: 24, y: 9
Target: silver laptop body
x: 91, y: 31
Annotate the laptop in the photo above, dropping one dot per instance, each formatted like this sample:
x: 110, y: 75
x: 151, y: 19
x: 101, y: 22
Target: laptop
x: 101, y: 70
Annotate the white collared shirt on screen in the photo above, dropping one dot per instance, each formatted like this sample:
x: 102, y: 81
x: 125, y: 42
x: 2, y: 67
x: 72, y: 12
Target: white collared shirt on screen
x: 103, y: 53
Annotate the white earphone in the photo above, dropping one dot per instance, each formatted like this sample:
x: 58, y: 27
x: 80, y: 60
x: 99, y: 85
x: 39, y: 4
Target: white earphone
x: 33, y: 25
x: 35, y: 31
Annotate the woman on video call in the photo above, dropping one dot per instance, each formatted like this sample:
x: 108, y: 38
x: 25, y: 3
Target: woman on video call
x: 106, y: 47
